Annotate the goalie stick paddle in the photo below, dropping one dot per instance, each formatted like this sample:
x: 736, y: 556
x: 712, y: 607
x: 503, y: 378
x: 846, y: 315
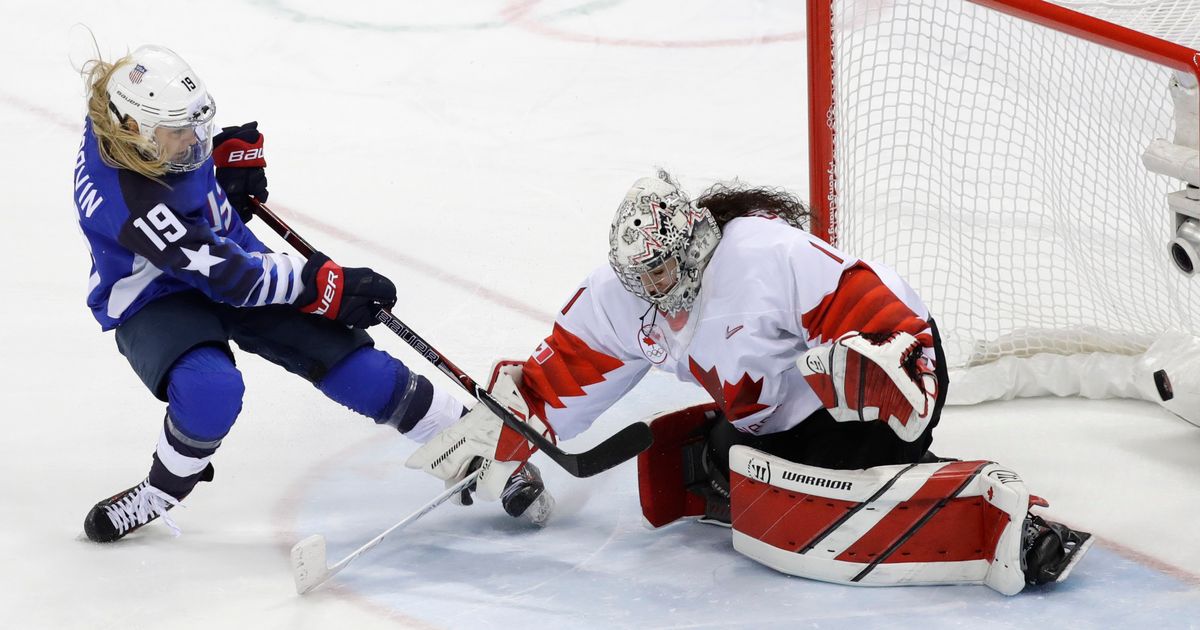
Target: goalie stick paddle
x: 309, y: 568
x: 617, y: 448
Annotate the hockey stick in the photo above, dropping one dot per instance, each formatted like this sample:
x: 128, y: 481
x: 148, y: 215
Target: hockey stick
x: 620, y: 447
x: 308, y: 556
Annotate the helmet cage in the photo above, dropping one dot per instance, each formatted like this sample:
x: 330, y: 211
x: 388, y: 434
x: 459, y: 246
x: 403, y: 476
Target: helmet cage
x: 659, y: 245
x: 191, y: 155
x: 655, y: 279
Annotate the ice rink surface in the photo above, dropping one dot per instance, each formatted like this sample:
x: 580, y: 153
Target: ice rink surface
x: 474, y: 151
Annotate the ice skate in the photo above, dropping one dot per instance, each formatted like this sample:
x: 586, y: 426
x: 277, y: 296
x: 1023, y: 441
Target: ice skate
x: 111, y: 519
x: 1051, y: 550
x: 711, y: 483
x: 525, y: 496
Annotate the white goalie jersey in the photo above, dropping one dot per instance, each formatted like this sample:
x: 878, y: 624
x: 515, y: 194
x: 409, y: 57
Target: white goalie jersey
x: 769, y: 293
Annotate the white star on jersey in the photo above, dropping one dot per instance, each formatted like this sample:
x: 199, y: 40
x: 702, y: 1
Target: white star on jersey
x: 200, y: 260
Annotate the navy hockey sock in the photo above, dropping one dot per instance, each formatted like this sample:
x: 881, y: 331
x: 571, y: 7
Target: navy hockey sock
x: 180, y: 462
x: 379, y: 386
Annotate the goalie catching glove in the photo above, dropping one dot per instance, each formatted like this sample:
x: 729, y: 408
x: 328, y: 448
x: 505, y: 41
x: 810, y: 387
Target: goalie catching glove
x: 864, y: 377
x: 481, y: 440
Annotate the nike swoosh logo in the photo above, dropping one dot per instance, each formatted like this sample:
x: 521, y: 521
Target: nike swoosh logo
x: 729, y: 332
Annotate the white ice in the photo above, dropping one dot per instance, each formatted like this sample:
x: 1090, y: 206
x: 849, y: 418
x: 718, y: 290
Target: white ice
x: 474, y: 151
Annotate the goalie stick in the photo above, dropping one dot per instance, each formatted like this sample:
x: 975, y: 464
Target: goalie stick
x: 309, y: 567
x: 621, y: 446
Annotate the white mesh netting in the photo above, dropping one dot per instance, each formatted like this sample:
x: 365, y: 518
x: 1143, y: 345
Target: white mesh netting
x: 1176, y: 21
x: 996, y: 164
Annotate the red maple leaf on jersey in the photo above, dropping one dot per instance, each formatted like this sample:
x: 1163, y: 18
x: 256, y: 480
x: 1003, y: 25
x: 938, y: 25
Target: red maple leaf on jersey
x: 564, y: 364
x: 737, y: 400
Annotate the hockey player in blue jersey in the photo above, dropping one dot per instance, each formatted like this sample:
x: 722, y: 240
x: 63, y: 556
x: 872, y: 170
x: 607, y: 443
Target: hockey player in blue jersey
x: 177, y: 274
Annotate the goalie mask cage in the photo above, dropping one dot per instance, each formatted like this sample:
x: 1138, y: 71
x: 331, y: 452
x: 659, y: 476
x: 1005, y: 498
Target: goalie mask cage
x: 990, y: 151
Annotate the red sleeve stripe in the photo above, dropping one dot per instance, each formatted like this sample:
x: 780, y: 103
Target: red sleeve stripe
x: 571, y: 366
x: 571, y: 302
x: 827, y: 253
x: 862, y: 302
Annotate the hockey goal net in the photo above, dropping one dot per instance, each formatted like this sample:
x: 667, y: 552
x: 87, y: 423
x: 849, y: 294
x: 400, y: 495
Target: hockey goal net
x: 991, y: 151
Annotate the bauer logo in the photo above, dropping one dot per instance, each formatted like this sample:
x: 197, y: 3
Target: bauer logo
x: 759, y: 469
x: 331, y: 291
x: 245, y: 155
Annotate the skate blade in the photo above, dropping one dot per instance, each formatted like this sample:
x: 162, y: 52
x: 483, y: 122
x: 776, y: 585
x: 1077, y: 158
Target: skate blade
x: 1076, y: 555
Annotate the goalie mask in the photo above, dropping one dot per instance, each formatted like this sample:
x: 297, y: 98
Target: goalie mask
x: 660, y: 243
x: 158, y: 90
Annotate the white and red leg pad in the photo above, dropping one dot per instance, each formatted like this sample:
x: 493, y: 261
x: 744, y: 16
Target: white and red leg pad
x: 909, y: 524
x: 661, y: 467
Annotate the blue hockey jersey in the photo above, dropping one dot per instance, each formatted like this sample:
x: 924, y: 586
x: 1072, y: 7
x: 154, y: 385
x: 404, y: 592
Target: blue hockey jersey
x: 148, y: 240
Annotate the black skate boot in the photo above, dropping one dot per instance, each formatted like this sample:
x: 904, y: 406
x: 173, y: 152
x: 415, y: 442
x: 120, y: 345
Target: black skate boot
x: 714, y: 487
x: 111, y: 519
x: 1051, y: 550
x: 525, y: 496
x: 705, y: 477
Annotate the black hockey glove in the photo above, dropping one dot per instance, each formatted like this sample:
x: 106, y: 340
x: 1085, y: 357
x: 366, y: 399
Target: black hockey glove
x: 350, y: 295
x: 238, y: 155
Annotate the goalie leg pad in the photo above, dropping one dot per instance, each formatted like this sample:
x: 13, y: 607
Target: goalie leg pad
x: 907, y: 524
x: 672, y: 461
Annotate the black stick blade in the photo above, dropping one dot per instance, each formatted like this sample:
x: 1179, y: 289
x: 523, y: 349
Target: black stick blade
x: 620, y: 447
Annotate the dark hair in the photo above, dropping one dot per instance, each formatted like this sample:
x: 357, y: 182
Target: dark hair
x: 730, y: 201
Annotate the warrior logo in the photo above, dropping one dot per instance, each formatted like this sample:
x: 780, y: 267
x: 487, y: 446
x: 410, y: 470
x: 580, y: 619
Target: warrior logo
x: 819, y: 482
x: 653, y: 343
x: 759, y: 469
x: 815, y: 364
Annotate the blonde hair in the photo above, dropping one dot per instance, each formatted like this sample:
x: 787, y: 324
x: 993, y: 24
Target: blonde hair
x: 119, y: 146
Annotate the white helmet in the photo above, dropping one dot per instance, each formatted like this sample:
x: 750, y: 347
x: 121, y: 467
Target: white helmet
x: 170, y: 104
x: 660, y: 243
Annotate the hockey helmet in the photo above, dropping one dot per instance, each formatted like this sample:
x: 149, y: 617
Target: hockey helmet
x: 660, y: 243
x: 170, y: 104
